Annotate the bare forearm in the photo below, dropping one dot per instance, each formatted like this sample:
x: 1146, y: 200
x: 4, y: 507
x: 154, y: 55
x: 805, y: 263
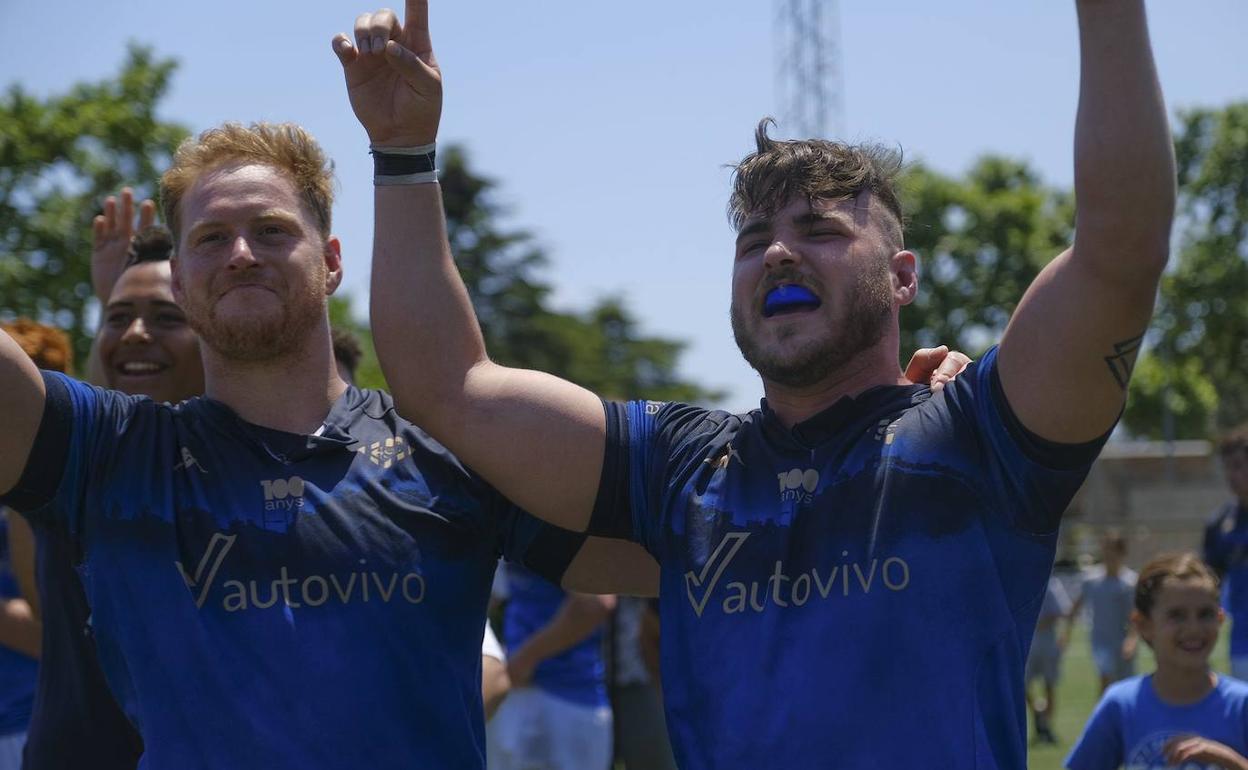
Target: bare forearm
x: 423, y: 324
x: 495, y: 684
x: 1124, y: 158
x: 21, y: 409
x: 576, y: 619
x: 19, y: 628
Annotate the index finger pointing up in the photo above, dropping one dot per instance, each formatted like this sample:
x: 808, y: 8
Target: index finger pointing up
x: 416, y: 27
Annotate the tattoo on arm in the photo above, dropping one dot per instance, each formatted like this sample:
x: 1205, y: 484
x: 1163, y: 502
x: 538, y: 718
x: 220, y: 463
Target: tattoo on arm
x: 1123, y: 360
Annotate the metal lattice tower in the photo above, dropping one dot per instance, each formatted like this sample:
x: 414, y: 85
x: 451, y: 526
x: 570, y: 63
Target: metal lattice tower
x: 808, y: 71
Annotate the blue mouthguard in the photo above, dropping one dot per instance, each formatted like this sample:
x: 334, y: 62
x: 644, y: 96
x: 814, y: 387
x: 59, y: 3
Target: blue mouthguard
x: 787, y: 296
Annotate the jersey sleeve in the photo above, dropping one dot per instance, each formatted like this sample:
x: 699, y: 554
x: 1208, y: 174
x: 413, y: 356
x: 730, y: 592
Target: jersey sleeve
x: 543, y: 548
x: 78, y: 429
x: 651, y: 447
x: 1101, y: 745
x: 1031, y: 478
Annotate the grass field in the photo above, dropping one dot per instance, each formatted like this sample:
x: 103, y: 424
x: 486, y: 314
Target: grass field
x: 1078, y: 691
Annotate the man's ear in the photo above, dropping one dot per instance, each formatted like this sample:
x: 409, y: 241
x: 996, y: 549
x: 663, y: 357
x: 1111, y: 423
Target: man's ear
x: 903, y: 267
x: 333, y: 264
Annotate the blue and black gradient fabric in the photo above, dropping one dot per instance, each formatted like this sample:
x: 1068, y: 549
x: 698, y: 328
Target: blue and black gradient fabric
x: 857, y: 591
x: 265, y: 599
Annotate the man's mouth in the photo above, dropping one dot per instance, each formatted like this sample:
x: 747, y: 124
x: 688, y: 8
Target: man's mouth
x: 789, y: 298
x: 140, y: 368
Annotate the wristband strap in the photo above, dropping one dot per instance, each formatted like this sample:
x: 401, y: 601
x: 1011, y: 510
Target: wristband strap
x: 404, y: 165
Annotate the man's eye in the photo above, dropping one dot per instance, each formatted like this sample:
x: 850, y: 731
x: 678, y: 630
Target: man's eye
x: 170, y: 319
x: 117, y: 320
x: 272, y: 230
x: 208, y: 238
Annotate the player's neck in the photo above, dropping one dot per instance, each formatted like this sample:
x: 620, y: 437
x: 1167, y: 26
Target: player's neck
x: 1183, y: 686
x: 874, y: 367
x: 292, y: 393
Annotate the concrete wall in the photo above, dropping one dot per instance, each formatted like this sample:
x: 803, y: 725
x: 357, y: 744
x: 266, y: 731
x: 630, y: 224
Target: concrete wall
x: 1159, y: 495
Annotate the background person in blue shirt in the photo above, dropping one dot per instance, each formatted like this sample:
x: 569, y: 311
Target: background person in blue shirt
x: 556, y: 715
x: 1183, y: 715
x: 1108, y: 594
x: 1044, y: 659
x: 855, y: 527
x: 1226, y: 544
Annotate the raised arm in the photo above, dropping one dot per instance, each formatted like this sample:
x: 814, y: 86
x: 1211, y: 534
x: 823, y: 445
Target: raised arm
x: 111, y: 231
x: 536, y: 438
x: 1068, y: 352
x: 21, y: 409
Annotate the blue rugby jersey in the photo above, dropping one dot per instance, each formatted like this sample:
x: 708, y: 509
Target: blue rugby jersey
x: 578, y: 674
x: 859, y: 591
x: 264, y: 599
x: 1131, y: 725
x: 75, y: 722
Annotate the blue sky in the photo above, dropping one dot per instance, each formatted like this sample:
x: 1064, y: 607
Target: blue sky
x: 608, y: 125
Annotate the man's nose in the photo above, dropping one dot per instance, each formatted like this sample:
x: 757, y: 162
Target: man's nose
x: 136, y: 331
x: 241, y: 255
x: 780, y: 254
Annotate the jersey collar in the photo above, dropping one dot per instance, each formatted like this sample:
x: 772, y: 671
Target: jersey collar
x: 843, y: 414
x: 335, y: 433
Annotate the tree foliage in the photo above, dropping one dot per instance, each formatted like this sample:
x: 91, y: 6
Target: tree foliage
x: 980, y: 240
x: 59, y: 157
x: 600, y: 348
x: 983, y: 238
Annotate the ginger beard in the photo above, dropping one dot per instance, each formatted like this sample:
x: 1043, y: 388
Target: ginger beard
x: 863, y: 321
x: 238, y: 325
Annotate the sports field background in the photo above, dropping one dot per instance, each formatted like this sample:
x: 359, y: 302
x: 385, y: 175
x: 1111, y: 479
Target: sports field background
x: 1078, y: 691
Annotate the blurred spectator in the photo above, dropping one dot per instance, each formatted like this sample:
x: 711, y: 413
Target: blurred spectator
x: 1183, y: 715
x: 1226, y: 544
x: 20, y: 627
x: 556, y: 717
x: 47, y: 346
x: 641, y: 741
x: 347, y: 353
x: 495, y: 684
x: 1108, y: 591
x: 1044, y: 662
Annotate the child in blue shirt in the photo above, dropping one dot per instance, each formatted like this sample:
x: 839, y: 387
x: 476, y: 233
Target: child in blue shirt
x: 1183, y: 715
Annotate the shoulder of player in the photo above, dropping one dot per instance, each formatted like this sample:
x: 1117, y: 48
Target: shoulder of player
x: 1125, y: 692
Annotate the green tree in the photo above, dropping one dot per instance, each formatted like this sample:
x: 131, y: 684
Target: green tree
x: 59, y: 157
x: 1200, y: 345
x: 981, y: 240
x: 600, y: 348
